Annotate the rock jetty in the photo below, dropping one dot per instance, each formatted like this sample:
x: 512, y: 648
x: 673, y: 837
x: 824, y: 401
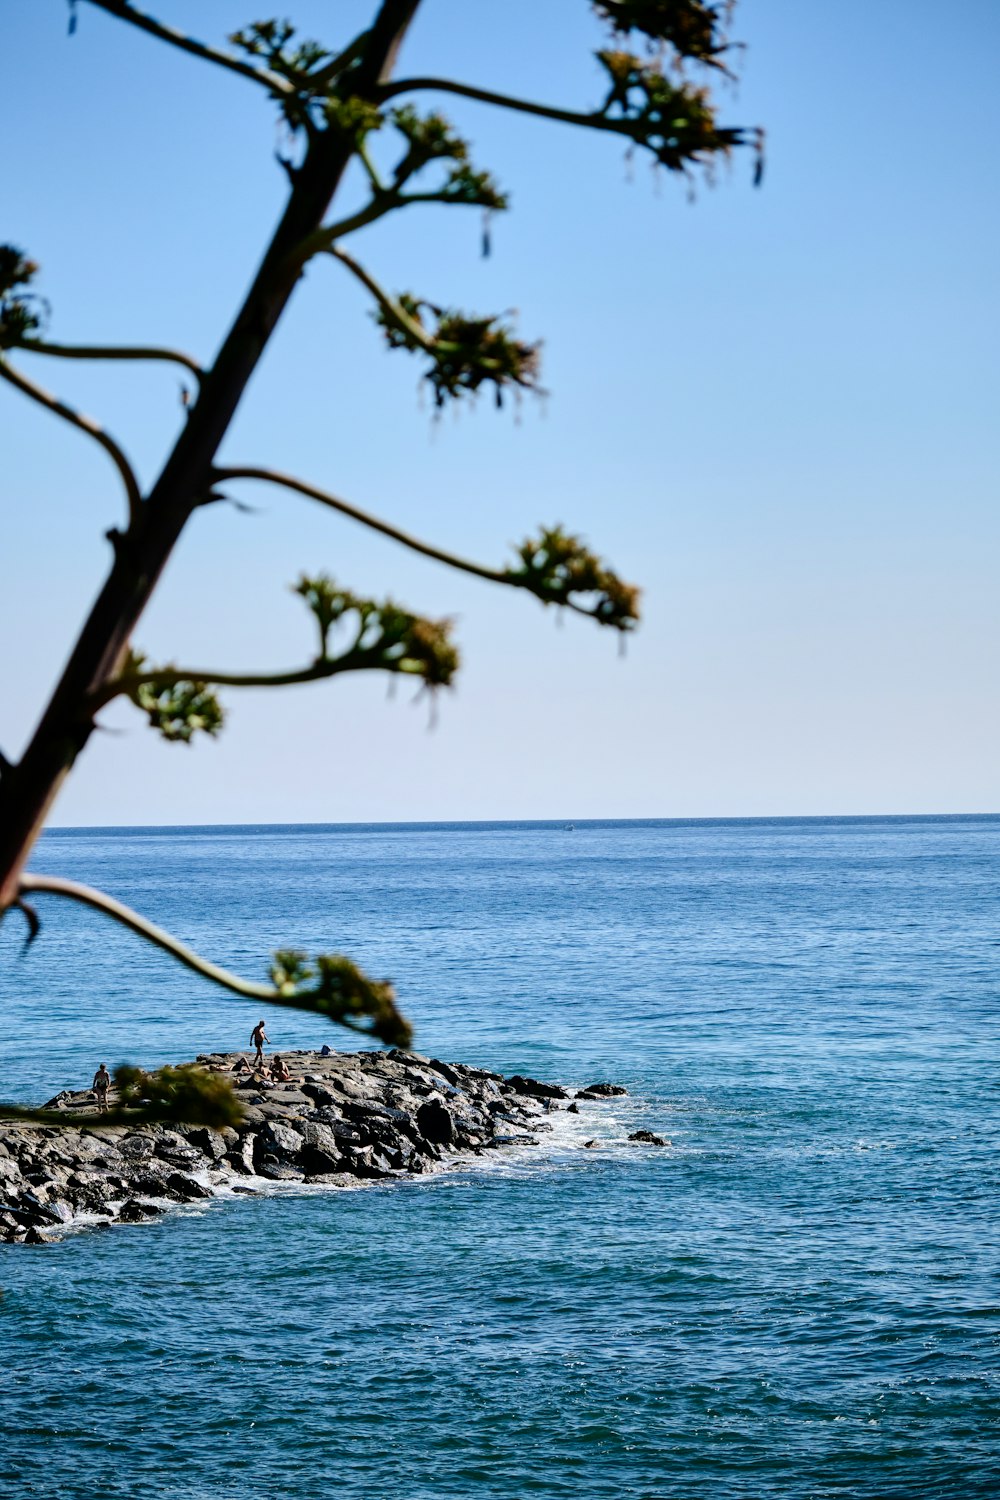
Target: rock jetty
x: 371, y: 1115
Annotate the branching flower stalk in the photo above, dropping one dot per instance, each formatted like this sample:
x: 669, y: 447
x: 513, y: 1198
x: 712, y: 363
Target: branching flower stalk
x: 336, y: 102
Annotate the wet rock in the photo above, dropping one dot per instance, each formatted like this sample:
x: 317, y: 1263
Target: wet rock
x: 435, y: 1123
x: 281, y: 1141
x: 36, y: 1237
x: 134, y: 1212
x: 590, y: 1145
x: 573, y: 1109
x: 210, y: 1143
x: 533, y: 1089
x: 647, y: 1138
x: 601, y: 1091
x: 274, y: 1171
x: 317, y: 1162
x: 179, y: 1185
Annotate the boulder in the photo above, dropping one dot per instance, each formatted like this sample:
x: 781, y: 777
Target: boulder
x: 601, y: 1091
x: 179, y: 1185
x: 534, y: 1089
x: 435, y: 1123
x: 134, y: 1212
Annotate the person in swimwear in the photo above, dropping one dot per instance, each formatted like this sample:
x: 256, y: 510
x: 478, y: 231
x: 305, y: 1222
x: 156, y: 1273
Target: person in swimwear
x: 100, y: 1086
x: 279, y: 1072
x: 257, y: 1038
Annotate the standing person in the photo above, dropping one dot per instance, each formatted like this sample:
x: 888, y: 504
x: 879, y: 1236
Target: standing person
x: 100, y: 1086
x: 257, y: 1038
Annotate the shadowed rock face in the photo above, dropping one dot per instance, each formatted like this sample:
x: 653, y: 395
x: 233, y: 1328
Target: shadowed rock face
x: 373, y: 1115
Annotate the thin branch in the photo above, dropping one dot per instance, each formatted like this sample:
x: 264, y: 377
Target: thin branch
x: 85, y: 424
x: 383, y: 201
x: 379, y: 205
x: 344, y: 508
x: 166, y: 677
x: 51, y: 885
x: 592, y: 120
x: 106, y: 351
x: 388, y: 304
x: 127, y: 12
x: 337, y: 64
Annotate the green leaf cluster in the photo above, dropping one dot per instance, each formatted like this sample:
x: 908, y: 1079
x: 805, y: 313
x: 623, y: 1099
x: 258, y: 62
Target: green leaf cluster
x: 270, y: 41
x: 186, y: 1094
x: 676, y: 122
x: 387, y: 638
x: 334, y: 986
x: 466, y: 352
x: 693, y: 29
x: 560, y: 569
x: 177, y: 709
x: 21, y: 312
x: 430, y: 137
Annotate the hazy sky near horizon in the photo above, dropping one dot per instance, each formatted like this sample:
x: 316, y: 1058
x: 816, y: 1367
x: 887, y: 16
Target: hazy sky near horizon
x: 774, y: 409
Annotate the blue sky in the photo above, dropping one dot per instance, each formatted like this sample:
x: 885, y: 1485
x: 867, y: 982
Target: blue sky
x: 773, y: 409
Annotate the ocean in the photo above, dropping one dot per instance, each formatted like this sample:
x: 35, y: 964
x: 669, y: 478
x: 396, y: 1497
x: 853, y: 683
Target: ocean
x: 799, y: 1298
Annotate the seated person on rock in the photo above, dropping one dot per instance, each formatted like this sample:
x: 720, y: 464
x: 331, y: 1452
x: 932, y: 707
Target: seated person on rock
x: 279, y: 1072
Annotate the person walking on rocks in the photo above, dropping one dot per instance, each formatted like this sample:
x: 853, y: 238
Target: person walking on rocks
x: 258, y: 1037
x: 100, y: 1086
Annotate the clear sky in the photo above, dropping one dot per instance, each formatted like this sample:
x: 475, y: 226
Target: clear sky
x: 774, y: 409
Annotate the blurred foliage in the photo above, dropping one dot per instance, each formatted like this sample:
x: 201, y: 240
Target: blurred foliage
x: 431, y: 138
x: 694, y: 30
x: 674, y: 121
x: 386, y: 637
x: 21, y: 312
x: 177, y: 709
x: 560, y: 568
x: 334, y: 986
x: 465, y: 352
x: 186, y: 1094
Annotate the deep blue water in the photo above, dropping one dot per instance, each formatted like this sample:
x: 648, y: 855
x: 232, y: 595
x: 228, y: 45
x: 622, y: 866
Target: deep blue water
x: 801, y: 1298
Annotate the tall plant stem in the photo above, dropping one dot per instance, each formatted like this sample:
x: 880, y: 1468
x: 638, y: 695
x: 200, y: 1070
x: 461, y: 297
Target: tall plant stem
x: 28, y: 789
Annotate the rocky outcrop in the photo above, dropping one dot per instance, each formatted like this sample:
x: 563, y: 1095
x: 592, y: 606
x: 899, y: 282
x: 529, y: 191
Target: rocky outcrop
x: 369, y: 1115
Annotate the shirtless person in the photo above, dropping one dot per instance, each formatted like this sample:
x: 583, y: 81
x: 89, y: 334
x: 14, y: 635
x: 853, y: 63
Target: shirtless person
x: 100, y: 1086
x: 257, y: 1039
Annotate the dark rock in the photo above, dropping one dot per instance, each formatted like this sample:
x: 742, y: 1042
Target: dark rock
x: 209, y: 1143
x: 275, y: 1172
x: 513, y: 1140
x: 241, y: 1157
x: 447, y: 1072
x: 601, y: 1091
x: 36, y: 1237
x: 138, y: 1147
x: 148, y: 1184
x: 573, y: 1109
x: 435, y: 1123
x: 362, y: 1161
x: 316, y: 1161
x: 646, y: 1137
x: 281, y: 1141
x: 179, y: 1185
x: 534, y: 1089
x: 134, y: 1212
x: 590, y: 1145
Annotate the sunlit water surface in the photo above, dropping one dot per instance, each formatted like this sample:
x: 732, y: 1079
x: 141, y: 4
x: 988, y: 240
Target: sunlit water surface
x: 800, y: 1298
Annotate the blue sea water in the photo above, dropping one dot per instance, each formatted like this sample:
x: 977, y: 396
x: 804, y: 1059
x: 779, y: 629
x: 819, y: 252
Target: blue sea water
x: 799, y: 1298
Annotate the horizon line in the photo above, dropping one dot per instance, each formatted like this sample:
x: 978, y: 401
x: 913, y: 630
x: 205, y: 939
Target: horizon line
x: 564, y: 822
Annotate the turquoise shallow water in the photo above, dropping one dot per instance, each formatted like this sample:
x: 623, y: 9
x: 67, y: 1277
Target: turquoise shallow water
x: 801, y: 1298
